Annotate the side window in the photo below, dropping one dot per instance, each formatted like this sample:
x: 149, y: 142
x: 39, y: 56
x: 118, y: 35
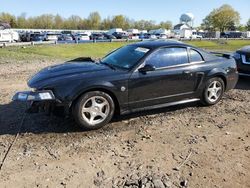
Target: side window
x: 168, y: 57
x: 195, y: 56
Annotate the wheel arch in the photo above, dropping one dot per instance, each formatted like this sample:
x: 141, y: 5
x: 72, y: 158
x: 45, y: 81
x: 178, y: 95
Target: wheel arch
x: 220, y: 73
x: 105, y: 90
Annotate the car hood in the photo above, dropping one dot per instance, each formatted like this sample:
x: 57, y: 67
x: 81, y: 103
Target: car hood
x: 53, y: 74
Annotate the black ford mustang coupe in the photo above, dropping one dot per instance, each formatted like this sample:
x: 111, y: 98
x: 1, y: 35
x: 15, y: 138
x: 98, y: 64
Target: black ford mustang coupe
x: 138, y: 76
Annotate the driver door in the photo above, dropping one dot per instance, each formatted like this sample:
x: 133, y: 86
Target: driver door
x: 172, y: 79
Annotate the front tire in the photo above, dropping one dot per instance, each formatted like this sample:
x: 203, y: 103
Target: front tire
x: 213, y: 91
x: 93, y: 110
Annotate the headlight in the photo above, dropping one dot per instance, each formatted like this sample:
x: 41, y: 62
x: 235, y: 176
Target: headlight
x: 236, y: 56
x: 45, y: 96
x: 34, y: 96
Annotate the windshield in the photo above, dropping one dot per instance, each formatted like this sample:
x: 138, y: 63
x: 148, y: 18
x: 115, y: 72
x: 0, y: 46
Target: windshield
x: 125, y: 57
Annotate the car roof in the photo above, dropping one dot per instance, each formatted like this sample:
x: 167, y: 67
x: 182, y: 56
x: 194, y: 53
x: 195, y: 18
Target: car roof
x: 153, y: 44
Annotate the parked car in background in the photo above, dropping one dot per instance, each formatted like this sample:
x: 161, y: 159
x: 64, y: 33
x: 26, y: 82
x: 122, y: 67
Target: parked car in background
x: 139, y: 76
x: 37, y: 37
x: 231, y: 34
x: 149, y: 36
x: 242, y: 57
x: 161, y: 36
x: 134, y: 36
x: 97, y: 36
x: 32, y: 36
x: 81, y: 36
x: 65, y: 37
x: 142, y: 36
x: 50, y: 36
x: 121, y: 35
x: 108, y: 36
x: 196, y: 35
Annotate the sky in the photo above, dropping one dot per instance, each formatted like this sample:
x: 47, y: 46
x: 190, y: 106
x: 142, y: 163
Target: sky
x: 157, y: 10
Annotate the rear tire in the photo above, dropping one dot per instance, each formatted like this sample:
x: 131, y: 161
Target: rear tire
x: 93, y: 110
x: 213, y: 91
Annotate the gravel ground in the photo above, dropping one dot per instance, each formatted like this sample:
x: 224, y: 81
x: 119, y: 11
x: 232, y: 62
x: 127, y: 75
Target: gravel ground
x: 182, y: 146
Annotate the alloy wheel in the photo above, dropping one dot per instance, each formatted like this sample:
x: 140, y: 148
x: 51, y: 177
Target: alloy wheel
x: 214, y: 91
x: 95, y: 110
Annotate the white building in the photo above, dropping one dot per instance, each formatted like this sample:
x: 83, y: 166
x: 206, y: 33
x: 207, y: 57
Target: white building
x: 182, y: 30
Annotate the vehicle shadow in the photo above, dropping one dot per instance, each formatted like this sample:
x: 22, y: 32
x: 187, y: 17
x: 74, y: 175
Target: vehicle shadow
x: 13, y: 120
x: 11, y: 116
x: 243, y: 83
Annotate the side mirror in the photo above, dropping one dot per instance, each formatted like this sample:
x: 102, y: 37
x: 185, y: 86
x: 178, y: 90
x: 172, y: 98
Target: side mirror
x: 146, y: 68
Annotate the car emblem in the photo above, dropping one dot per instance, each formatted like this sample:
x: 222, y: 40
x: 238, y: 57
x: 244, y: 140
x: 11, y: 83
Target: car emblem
x: 123, y: 88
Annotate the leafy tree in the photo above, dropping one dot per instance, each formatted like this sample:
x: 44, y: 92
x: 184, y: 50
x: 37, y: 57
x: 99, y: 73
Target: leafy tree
x: 58, y: 22
x: 145, y: 25
x: 6, y: 17
x: 241, y: 28
x: 106, y: 24
x: 94, y: 20
x: 222, y: 18
x: 45, y: 21
x: 74, y: 22
x: 21, y: 21
x: 248, y: 25
x: 120, y: 21
x: 166, y: 25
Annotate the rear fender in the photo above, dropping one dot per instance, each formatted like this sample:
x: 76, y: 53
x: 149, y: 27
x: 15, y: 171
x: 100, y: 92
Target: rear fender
x: 217, y: 72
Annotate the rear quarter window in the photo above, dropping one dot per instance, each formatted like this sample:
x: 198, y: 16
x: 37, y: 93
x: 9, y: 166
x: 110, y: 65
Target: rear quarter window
x: 195, y: 56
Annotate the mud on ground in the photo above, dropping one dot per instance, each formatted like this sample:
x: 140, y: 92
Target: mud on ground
x: 182, y: 146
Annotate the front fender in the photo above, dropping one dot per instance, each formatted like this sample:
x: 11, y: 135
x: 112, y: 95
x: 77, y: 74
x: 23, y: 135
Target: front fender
x: 114, y: 88
x: 102, y: 85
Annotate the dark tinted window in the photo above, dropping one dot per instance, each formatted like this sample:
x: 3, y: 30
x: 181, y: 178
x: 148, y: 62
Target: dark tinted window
x: 195, y: 56
x: 168, y: 57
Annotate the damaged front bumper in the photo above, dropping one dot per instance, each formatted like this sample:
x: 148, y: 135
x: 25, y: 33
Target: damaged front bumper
x: 38, y: 101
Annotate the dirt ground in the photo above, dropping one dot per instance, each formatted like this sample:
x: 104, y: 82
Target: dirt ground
x: 182, y: 146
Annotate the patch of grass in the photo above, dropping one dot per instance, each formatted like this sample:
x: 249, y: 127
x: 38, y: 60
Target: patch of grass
x: 71, y: 51
x: 67, y: 51
x: 223, y: 45
x: 61, y: 51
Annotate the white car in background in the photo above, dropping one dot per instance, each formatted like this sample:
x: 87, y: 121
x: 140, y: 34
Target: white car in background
x: 161, y: 36
x: 152, y: 36
x: 134, y: 36
x: 83, y: 36
x: 195, y: 35
x: 51, y: 37
x: 8, y: 35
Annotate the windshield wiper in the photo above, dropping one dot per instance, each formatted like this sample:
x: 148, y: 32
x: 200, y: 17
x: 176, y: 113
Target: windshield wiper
x: 107, y: 64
